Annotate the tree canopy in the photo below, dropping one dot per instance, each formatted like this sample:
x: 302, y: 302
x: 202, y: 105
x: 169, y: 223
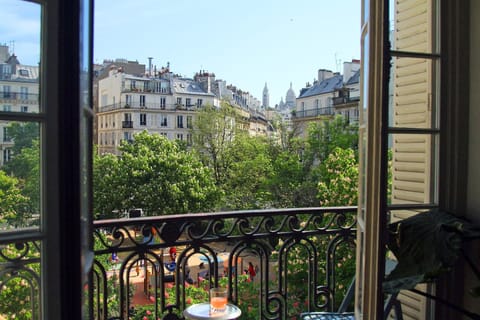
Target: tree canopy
x: 154, y: 174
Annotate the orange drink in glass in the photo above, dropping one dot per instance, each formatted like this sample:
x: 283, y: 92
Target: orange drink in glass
x: 218, y: 300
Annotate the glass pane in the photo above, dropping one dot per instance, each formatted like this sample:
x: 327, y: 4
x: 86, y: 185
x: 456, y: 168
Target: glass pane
x: 20, y: 280
x: 414, y: 26
x: 20, y: 57
x: 413, y: 100
x: 19, y: 175
x: 413, y: 169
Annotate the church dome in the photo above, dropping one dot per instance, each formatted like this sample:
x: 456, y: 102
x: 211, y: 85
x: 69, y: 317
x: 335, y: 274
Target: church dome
x: 290, y: 98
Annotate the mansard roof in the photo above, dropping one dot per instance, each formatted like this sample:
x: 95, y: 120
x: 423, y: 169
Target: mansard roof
x: 325, y: 86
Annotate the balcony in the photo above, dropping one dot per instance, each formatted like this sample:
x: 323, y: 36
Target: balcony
x: 316, y: 112
x: 127, y: 124
x: 136, y: 105
x: 19, y: 97
x: 303, y: 260
x: 344, y: 100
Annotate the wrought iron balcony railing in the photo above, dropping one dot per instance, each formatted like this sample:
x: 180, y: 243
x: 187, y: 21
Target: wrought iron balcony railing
x: 315, y: 112
x: 303, y: 260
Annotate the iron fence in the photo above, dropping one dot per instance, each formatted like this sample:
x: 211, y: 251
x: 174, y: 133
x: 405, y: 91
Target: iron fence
x: 303, y: 260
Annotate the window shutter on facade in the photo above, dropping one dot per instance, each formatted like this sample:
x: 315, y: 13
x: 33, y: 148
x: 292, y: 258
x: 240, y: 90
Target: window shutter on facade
x: 412, y: 87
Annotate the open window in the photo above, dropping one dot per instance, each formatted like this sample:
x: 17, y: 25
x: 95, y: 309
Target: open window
x: 48, y: 248
x: 412, y: 122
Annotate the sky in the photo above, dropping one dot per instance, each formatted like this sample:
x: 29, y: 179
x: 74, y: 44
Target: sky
x: 247, y: 43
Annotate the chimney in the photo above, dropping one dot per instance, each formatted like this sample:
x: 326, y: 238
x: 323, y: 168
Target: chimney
x: 349, y: 68
x: 150, y: 66
x: 324, y: 74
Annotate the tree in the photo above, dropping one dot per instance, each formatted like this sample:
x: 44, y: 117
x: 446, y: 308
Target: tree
x: 14, y: 207
x: 213, y: 133
x: 23, y: 134
x: 324, y: 137
x: 339, y: 183
x: 26, y: 167
x: 154, y: 174
x: 109, y: 191
x: 245, y: 186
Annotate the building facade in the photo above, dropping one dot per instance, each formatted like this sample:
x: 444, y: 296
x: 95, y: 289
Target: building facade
x: 331, y: 94
x: 18, y: 93
x: 165, y: 103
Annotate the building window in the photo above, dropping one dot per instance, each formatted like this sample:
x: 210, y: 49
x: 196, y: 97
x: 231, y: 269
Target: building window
x: 7, y: 69
x: 143, y: 119
x: 179, y: 101
x: 164, y: 134
x: 199, y: 102
x: 179, y: 121
x: 132, y: 84
x: 24, y: 93
x: 189, y: 139
x: 128, y: 100
x: 189, y: 122
x: 7, y: 155
x: 24, y: 108
x: 142, y: 100
x: 188, y: 102
x: 317, y: 104
x: 7, y: 108
x: 180, y: 136
x: 6, y: 91
x: 127, y: 117
x: 6, y: 137
x: 162, y: 103
x: 113, y: 138
x: 163, y: 121
x: 23, y: 72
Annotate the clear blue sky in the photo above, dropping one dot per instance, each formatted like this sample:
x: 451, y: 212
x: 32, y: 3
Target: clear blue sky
x: 246, y: 43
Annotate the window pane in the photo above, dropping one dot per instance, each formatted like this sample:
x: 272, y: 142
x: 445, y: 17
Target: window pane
x: 19, y: 175
x: 413, y: 99
x: 20, y: 57
x: 20, y: 280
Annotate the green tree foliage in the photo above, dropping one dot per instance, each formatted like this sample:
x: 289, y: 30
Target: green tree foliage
x: 213, y: 132
x: 248, y: 174
x: 153, y: 173
x: 110, y: 191
x: 23, y: 134
x: 339, y: 179
x: 14, y: 207
x: 26, y: 167
x: 25, y: 164
x: 324, y: 137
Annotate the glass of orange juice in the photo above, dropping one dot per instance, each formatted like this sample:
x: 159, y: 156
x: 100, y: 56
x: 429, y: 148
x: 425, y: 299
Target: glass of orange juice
x: 218, y: 300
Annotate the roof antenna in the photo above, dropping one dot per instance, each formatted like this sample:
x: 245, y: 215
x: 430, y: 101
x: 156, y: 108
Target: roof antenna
x: 338, y: 62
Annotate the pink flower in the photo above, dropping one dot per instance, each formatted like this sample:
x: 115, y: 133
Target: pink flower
x: 189, y: 301
x: 296, y: 304
x: 149, y: 312
x: 145, y: 318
